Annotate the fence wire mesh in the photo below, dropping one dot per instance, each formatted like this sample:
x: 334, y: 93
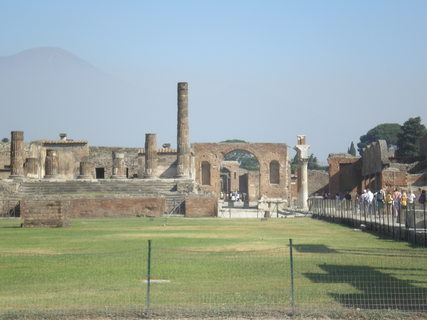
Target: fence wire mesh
x: 401, y: 223
x: 186, y: 283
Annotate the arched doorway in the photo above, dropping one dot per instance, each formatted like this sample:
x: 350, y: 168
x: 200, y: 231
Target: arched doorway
x: 240, y: 174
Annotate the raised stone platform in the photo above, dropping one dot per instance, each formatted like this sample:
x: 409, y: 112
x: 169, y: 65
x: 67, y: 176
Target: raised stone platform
x: 173, y: 191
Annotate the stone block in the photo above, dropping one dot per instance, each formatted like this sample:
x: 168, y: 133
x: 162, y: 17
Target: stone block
x: 201, y: 206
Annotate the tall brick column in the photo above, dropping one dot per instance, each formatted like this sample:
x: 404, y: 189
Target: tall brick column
x: 17, y: 157
x: 118, y: 165
x: 51, y: 164
x: 86, y: 169
x: 302, y: 154
x: 150, y: 155
x: 183, y: 145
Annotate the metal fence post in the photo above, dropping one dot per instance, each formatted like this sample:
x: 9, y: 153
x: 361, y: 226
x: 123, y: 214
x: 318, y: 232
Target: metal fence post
x: 425, y: 230
x: 147, y: 303
x: 415, y: 228
x: 292, y: 277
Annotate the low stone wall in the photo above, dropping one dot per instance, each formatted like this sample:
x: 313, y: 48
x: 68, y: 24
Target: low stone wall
x: 201, y: 206
x: 116, y: 207
x: 43, y: 213
x: 57, y: 213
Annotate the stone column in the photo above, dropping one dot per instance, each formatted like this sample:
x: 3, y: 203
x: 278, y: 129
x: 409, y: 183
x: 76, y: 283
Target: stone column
x: 302, y: 154
x: 118, y: 165
x: 85, y: 170
x: 17, y: 154
x: 183, y: 145
x: 150, y: 155
x: 31, y: 168
x: 51, y: 164
x: 141, y: 164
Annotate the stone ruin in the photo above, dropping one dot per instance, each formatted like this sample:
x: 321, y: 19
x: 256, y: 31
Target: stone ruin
x: 52, y: 181
x: 376, y: 169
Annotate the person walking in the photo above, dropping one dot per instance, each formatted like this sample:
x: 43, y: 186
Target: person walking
x: 422, y: 199
x: 397, y: 196
x: 411, y: 200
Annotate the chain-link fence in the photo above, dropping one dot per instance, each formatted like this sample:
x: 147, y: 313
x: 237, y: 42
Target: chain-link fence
x: 402, y: 223
x: 298, y: 279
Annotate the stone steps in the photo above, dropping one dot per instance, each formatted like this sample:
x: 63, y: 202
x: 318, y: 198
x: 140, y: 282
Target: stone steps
x: 105, y: 188
x: 44, y: 188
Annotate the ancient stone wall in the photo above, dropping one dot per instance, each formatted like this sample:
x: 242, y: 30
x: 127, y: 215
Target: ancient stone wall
x: 417, y: 180
x: 101, y: 157
x: 394, y: 176
x: 116, y: 207
x: 44, y: 213
x: 4, y: 160
x: 69, y: 153
x: 201, y: 206
x: 318, y: 182
x: 375, y: 158
x: 265, y: 153
x: 345, y: 173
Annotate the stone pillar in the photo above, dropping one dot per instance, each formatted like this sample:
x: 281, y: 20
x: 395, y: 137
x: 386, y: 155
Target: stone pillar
x: 17, y: 154
x: 31, y: 168
x: 183, y: 145
x: 302, y: 154
x: 85, y: 170
x: 150, y: 155
x: 118, y: 165
x: 51, y: 164
x: 141, y: 164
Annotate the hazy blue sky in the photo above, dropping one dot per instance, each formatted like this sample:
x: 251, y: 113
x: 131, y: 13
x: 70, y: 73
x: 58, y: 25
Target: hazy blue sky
x: 262, y: 71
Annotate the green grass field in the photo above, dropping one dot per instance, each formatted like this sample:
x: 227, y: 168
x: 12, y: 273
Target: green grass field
x: 97, y: 267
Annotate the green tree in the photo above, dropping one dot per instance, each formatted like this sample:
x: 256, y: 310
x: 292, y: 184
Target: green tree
x: 352, y: 149
x: 312, y: 164
x: 233, y: 141
x: 5, y: 140
x: 408, y: 140
x: 385, y: 131
x: 294, y: 163
x: 246, y: 159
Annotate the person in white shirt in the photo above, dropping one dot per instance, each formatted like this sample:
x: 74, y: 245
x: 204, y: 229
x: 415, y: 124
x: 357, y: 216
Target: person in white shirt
x: 369, y: 199
x: 411, y: 200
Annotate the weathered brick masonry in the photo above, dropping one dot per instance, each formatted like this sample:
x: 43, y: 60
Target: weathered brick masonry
x: 201, y: 206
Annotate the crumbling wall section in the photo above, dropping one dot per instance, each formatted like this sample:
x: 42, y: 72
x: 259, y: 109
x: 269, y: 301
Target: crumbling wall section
x: 116, y: 207
x: 318, y: 182
x: 345, y: 173
x: 201, y: 206
x: 101, y: 157
x: 375, y: 158
x: 44, y: 213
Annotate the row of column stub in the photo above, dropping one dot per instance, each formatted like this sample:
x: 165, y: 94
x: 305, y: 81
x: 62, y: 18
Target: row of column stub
x: 183, y: 150
x: 22, y: 167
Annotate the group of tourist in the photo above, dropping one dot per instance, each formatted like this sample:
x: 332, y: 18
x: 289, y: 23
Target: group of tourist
x: 394, y: 200
x: 234, y: 196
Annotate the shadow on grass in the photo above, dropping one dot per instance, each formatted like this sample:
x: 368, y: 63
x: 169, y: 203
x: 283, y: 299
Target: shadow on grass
x: 378, y: 290
x: 313, y: 248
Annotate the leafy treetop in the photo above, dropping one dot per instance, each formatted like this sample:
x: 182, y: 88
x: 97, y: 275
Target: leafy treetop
x: 408, y: 139
x: 385, y: 131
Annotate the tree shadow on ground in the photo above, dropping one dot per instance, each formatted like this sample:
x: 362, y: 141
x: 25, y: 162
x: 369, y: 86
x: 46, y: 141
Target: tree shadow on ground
x: 378, y: 290
x: 313, y: 248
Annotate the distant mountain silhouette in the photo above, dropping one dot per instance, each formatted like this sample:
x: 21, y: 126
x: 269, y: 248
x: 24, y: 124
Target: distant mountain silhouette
x: 45, y: 91
x: 48, y: 63
x: 53, y: 87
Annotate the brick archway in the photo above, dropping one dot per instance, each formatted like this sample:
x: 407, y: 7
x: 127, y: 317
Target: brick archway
x: 214, y: 153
